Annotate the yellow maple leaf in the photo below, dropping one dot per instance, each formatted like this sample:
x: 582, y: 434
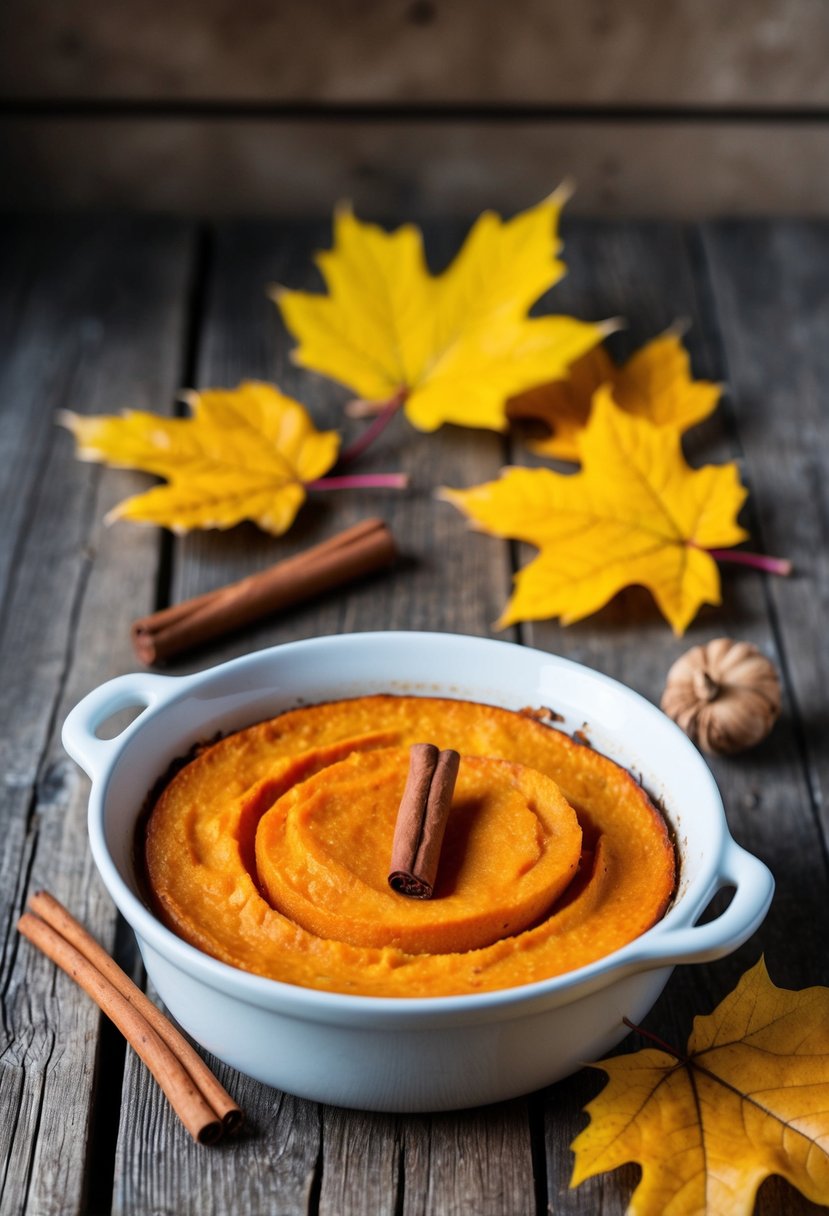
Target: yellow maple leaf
x: 636, y: 513
x: 655, y: 383
x: 246, y: 453
x: 456, y: 345
x: 749, y: 1098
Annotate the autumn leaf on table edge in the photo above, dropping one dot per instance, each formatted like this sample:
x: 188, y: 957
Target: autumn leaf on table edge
x: 246, y: 453
x: 635, y: 514
x: 748, y: 1098
x: 655, y: 383
x: 454, y: 346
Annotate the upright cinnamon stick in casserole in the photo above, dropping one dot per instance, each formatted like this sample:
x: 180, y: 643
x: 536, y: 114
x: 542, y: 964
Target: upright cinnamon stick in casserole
x: 421, y: 820
x: 357, y: 551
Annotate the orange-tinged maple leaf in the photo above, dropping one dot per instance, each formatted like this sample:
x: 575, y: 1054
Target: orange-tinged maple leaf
x: 749, y: 1098
x: 454, y: 346
x: 635, y: 513
x: 246, y: 453
x: 655, y: 383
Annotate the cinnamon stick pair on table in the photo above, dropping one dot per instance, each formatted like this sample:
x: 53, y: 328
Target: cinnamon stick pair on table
x: 202, y: 1104
x: 421, y: 820
x: 360, y: 550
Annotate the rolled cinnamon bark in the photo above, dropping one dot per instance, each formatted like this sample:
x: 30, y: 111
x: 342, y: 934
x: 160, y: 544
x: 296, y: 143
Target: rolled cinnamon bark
x: 50, y: 910
x: 360, y: 550
x: 421, y: 820
x: 186, y: 1099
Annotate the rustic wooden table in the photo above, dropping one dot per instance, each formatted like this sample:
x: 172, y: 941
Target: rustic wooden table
x: 101, y: 315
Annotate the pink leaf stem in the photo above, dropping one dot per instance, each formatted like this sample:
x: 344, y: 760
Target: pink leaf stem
x: 387, y: 411
x: 361, y: 481
x: 757, y: 561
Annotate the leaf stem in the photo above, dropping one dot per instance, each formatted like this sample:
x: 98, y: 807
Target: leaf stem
x: 654, y: 1038
x: 387, y: 411
x: 361, y: 481
x: 757, y: 561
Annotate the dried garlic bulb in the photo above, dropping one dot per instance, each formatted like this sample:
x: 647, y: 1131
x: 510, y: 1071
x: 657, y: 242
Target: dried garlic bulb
x: 725, y: 695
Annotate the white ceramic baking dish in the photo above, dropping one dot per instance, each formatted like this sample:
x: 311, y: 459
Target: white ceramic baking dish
x: 427, y: 1053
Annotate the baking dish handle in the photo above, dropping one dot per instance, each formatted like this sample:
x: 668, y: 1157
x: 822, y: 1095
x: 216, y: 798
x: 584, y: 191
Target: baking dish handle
x: 753, y: 885
x: 139, y: 689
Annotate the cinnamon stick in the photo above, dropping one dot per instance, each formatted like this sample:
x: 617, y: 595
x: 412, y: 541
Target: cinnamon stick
x: 55, y: 914
x: 360, y: 550
x: 203, y: 1106
x: 421, y: 820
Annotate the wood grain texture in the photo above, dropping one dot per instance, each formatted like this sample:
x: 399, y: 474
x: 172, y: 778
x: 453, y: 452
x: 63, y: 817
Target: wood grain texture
x: 99, y: 324
x: 470, y: 1163
x: 772, y: 308
x: 362, y: 1166
x: 476, y: 51
x: 283, y: 167
x: 654, y: 275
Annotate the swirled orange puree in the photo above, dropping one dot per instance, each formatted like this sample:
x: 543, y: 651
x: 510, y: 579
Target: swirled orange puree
x: 270, y: 851
x: 511, y: 847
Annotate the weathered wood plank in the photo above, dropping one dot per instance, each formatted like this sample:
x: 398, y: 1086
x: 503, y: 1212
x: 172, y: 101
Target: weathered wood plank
x: 539, y: 51
x: 648, y: 274
x: 466, y: 1163
x: 270, y: 1167
x: 471, y: 1163
x: 362, y: 1164
x: 242, y: 337
x: 100, y: 328
x: 47, y: 337
x: 769, y: 284
x: 219, y: 166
